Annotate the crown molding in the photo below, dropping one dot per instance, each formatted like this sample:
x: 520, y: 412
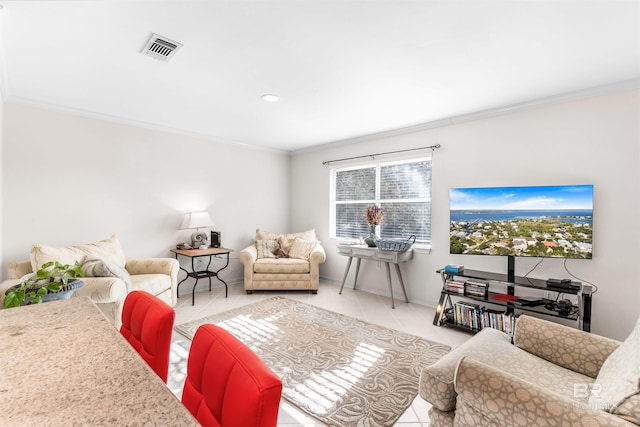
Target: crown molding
x: 136, y: 123
x: 593, y: 92
x: 492, y: 112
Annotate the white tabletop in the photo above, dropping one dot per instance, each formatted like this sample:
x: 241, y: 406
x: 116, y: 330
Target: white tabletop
x: 373, y: 253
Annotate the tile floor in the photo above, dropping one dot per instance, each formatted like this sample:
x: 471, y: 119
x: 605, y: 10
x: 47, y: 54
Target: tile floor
x: 410, y: 318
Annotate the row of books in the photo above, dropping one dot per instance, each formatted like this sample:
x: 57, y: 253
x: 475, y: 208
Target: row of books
x: 471, y: 287
x: 475, y: 317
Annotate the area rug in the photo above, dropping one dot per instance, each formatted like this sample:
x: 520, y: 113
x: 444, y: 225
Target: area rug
x: 340, y: 370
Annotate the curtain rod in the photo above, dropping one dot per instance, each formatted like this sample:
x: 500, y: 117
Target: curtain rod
x: 431, y: 147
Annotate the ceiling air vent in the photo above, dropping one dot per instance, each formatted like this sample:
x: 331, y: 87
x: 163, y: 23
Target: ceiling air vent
x: 160, y: 48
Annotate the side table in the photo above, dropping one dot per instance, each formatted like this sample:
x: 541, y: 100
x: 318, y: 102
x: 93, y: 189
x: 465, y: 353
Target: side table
x: 200, y: 274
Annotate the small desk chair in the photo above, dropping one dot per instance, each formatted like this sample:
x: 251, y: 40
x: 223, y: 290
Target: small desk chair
x: 147, y: 324
x: 227, y: 384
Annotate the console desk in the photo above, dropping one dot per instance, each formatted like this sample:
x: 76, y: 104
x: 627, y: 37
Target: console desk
x: 62, y: 363
x: 374, y: 254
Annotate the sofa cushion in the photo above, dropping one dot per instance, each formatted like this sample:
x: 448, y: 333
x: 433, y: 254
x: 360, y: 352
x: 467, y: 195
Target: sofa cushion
x: 281, y: 265
x: 494, y: 348
x: 436, y: 380
x: 617, y: 386
x: 93, y: 266
x: 265, y: 248
x: 490, y: 397
x: 302, y: 248
x: 570, y: 348
x: 108, y: 249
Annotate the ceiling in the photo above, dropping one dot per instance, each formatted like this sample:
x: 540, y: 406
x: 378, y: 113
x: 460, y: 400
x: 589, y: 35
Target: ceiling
x: 342, y: 69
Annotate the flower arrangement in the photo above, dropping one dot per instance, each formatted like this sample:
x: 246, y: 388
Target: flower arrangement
x: 374, y: 215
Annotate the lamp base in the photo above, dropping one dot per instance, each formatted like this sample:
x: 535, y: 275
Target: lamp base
x: 198, y: 238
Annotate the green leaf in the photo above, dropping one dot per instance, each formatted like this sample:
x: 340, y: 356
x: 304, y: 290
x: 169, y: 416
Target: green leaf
x: 48, y: 264
x: 12, y: 300
x: 54, y: 286
x: 41, y: 291
x: 43, y: 274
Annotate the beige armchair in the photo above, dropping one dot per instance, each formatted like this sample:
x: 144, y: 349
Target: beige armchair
x: 158, y: 276
x: 283, y: 262
x: 552, y: 376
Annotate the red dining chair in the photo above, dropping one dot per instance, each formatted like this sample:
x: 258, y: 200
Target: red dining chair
x: 228, y: 384
x: 147, y: 324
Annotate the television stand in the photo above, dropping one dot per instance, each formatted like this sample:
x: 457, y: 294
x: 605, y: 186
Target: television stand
x: 464, y: 295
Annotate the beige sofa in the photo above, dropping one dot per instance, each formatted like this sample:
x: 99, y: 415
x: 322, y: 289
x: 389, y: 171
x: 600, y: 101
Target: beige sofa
x: 283, y: 262
x: 553, y: 376
x: 105, y: 258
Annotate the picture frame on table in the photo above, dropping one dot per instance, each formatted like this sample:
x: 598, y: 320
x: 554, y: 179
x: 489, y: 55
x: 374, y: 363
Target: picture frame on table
x: 216, y: 240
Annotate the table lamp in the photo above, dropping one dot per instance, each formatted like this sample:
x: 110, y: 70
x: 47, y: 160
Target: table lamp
x: 197, y: 220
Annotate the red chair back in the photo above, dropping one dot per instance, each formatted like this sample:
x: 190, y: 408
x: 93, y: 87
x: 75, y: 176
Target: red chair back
x: 228, y: 384
x: 147, y: 324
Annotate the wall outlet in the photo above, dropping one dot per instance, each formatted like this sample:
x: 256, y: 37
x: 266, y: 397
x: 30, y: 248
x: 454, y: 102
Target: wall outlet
x: 549, y: 295
x: 378, y: 265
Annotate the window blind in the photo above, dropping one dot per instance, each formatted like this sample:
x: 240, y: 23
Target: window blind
x: 401, y: 188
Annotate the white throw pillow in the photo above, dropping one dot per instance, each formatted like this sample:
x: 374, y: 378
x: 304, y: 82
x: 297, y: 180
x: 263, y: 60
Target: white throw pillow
x: 302, y: 248
x: 265, y: 248
x: 619, y: 377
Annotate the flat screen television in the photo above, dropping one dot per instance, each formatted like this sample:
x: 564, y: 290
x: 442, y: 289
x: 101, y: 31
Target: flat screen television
x: 537, y: 221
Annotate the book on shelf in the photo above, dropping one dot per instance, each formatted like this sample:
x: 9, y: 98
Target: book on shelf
x: 465, y: 314
x: 454, y: 286
x: 475, y: 317
x: 476, y: 288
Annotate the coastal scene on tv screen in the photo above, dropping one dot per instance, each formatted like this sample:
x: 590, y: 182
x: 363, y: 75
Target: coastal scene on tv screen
x: 540, y: 221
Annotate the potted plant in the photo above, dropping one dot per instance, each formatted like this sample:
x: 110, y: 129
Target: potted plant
x: 374, y: 218
x: 53, y: 281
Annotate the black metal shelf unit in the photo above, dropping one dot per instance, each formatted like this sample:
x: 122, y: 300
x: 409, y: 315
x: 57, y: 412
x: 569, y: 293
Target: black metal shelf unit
x: 580, y: 312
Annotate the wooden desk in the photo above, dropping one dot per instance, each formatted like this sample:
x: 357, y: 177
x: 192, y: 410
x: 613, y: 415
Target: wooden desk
x: 387, y: 257
x: 200, y: 274
x: 63, y: 363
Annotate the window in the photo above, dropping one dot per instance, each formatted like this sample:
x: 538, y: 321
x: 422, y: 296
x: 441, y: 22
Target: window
x: 401, y: 189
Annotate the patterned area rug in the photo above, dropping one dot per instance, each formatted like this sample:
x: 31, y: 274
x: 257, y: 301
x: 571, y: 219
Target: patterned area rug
x: 340, y: 370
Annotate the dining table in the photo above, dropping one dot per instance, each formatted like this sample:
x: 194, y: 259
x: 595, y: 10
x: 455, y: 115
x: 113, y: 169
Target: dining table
x: 62, y: 363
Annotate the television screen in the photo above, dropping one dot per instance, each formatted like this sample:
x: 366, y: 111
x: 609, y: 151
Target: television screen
x: 542, y: 221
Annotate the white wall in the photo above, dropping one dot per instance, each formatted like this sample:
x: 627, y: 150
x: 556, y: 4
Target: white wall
x: 72, y: 180
x: 592, y: 141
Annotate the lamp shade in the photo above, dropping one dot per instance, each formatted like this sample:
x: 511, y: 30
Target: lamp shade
x: 196, y: 220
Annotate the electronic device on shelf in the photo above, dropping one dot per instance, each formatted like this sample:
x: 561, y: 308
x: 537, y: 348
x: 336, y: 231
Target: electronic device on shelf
x: 530, y: 301
x: 563, y: 307
x: 562, y: 285
x: 557, y: 222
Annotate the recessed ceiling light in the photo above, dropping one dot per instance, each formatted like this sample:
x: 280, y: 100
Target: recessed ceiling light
x: 269, y: 97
